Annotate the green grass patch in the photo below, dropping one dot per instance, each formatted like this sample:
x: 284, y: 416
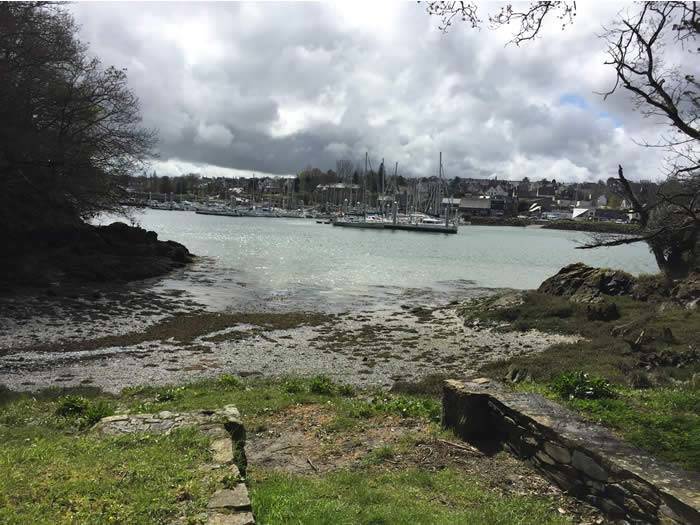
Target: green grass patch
x: 50, y: 477
x: 662, y: 421
x: 579, y: 385
x: 374, y: 497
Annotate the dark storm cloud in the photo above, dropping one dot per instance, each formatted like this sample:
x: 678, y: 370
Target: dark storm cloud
x: 276, y: 87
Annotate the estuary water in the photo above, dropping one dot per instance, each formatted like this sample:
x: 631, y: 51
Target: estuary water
x: 263, y: 263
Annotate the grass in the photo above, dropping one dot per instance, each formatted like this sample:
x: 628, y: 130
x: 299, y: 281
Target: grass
x: 663, y: 421
x: 656, y: 410
x: 373, y: 496
x: 56, y: 471
x: 52, y: 477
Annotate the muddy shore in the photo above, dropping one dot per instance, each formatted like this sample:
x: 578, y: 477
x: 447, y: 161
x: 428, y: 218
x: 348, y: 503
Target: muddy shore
x: 130, y: 336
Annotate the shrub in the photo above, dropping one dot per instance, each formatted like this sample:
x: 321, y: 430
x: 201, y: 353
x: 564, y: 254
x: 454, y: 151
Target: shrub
x: 579, y: 385
x: 85, y: 412
x: 71, y: 406
x: 403, y: 406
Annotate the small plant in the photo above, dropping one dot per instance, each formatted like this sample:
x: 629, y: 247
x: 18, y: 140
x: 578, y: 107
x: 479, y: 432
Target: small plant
x: 85, y: 412
x: 322, y: 385
x: 94, y: 412
x: 230, y: 481
x: 579, y: 385
x: 346, y: 390
x: 229, y: 381
x: 170, y: 394
x: 380, y: 455
x: 294, y: 385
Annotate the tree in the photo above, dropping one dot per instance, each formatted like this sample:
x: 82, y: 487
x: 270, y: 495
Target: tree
x: 669, y: 222
x: 644, y: 46
x: 530, y: 20
x: 69, y: 128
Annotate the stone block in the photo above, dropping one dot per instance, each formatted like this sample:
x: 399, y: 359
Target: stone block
x: 238, y: 518
x: 222, y: 450
x: 236, y: 499
x: 544, y: 458
x: 560, y: 454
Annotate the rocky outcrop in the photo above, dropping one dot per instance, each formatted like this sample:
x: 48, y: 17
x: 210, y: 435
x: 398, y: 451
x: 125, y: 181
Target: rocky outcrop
x: 582, y: 283
x: 229, y: 505
x: 587, y: 461
x: 687, y: 291
x: 87, y: 253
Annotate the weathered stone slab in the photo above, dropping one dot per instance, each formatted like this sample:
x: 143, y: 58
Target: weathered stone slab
x: 239, y: 518
x: 583, y: 458
x: 236, y: 499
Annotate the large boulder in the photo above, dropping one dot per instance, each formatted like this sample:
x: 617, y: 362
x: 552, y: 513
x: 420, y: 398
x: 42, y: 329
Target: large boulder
x: 583, y: 283
x: 117, y: 252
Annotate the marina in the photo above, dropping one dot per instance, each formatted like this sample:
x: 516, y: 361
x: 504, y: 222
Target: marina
x: 296, y: 263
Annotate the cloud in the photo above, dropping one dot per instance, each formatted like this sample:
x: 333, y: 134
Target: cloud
x: 214, y: 134
x: 272, y: 88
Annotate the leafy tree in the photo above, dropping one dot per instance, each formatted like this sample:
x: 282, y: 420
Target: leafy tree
x: 69, y: 127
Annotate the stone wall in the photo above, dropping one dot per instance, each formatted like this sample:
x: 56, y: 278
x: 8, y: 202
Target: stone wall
x: 229, y: 505
x: 585, y: 460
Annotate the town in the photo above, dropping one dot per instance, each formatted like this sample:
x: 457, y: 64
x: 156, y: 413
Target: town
x: 349, y: 191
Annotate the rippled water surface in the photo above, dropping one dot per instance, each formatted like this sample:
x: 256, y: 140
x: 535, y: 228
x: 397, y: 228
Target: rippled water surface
x: 297, y: 263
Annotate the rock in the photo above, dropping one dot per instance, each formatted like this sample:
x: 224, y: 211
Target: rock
x: 236, y: 499
x: 687, y: 291
x: 585, y: 283
x: 86, y: 253
x: 516, y: 374
x: 239, y: 518
x: 544, y: 458
x: 222, y: 450
x: 588, y: 466
x: 558, y: 453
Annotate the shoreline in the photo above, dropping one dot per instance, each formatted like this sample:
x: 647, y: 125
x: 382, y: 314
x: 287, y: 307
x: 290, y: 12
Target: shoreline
x: 142, y: 336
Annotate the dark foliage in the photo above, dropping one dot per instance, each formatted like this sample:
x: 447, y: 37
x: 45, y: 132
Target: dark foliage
x: 69, y: 127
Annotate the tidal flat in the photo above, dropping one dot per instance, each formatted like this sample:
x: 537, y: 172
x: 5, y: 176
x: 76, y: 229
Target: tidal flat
x: 144, y: 336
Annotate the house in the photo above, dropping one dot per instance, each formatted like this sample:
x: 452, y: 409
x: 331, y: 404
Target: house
x: 496, y: 191
x: 475, y: 206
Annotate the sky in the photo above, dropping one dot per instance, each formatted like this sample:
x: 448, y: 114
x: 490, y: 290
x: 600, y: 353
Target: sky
x: 271, y: 88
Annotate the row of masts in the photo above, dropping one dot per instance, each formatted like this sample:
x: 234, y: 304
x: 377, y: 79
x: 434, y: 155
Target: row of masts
x: 416, y: 198
x: 384, y: 197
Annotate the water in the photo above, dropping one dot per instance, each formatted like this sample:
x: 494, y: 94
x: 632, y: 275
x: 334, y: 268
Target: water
x: 297, y: 263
